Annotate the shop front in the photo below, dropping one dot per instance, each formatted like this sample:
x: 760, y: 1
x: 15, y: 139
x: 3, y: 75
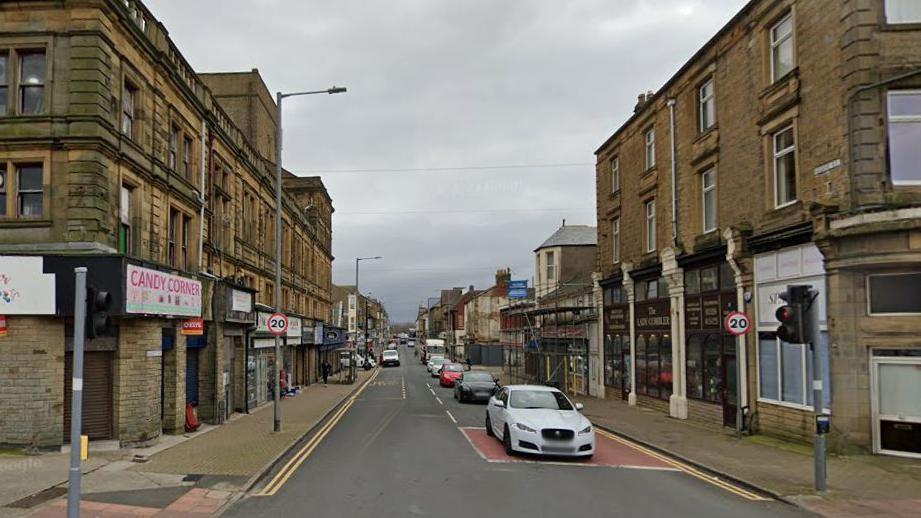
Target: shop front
x: 291, y: 349
x: 260, y: 363
x: 334, y: 340
x: 652, y: 322
x: 239, y: 316
x: 616, y: 341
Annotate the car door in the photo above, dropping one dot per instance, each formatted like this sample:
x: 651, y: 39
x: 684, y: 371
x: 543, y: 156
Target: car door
x: 500, y: 413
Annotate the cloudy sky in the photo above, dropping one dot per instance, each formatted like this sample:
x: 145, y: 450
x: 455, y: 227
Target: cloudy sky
x: 469, y: 127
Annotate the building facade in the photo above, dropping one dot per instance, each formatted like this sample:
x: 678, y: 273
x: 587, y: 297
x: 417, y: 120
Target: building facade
x: 117, y: 156
x: 780, y: 153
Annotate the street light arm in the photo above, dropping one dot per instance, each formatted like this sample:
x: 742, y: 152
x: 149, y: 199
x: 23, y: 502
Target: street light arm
x: 330, y: 91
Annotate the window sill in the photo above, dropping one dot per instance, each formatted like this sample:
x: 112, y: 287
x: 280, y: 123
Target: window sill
x: 903, y: 26
x: 24, y: 223
x: 703, y: 134
x: 648, y: 171
x: 794, y: 406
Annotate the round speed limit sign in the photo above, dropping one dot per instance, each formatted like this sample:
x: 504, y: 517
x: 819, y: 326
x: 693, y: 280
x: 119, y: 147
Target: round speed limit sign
x: 277, y: 324
x: 737, y: 323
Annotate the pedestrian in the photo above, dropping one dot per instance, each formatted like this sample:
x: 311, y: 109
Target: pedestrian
x: 469, y: 364
x: 326, y: 370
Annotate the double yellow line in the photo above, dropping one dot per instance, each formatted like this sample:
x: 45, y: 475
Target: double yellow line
x: 710, y: 479
x: 295, y: 462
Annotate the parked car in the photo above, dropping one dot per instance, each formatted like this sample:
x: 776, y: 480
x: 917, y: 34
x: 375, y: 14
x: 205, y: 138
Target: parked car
x: 540, y: 420
x: 428, y: 363
x: 475, y: 386
x: 449, y: 373
x: 390, y: 357
x: 437, y: 363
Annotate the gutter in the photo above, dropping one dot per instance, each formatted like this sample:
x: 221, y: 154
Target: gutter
x: 674, y: 170
x: 201, y: 197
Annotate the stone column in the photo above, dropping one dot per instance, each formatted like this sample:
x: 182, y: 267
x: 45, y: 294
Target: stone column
x: 628, y: 286
x: 137, y: 376
x: 174, y: 365
x: 743, y: 280
x: 674, y: 275
x: 596, y: 342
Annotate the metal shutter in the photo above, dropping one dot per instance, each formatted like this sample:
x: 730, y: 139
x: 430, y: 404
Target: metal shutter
x: 97, y: 395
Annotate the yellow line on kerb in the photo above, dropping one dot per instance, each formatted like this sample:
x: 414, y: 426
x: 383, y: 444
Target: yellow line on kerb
x: 744, y: 493
x: 295, y: 462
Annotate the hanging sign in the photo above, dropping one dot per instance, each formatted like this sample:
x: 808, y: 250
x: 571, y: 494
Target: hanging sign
x: 193, y: 327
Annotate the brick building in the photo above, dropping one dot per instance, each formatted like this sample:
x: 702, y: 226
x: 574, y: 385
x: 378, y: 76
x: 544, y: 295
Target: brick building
x: 784, y: 151
x: 116, y: 155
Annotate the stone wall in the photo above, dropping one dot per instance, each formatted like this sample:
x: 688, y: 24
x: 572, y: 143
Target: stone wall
x: 137, y: 379
x: 32, y: 382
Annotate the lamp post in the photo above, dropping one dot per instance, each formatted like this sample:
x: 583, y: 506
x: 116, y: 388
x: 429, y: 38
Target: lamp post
x: 279, y: 97
x: 358, y: 261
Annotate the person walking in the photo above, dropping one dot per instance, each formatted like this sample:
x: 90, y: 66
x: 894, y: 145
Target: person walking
x: 326, y: 370
x: 469, y: 363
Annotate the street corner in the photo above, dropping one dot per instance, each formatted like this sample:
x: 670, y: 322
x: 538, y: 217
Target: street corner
x: 609, y: 453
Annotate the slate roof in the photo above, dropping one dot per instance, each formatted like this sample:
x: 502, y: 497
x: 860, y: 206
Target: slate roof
x: 572, y: 235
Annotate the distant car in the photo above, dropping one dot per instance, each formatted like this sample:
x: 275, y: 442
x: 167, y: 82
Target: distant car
x: 475, y: 386
x: 410, y: 343
x: 391, y: 347
x: 541, y: 420
x: 390, y: 357
x: 449, y: 373
x: 428, y: 363
x: 437, y: 363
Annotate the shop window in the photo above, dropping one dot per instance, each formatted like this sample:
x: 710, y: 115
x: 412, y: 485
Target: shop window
x: 665, y: 369
x: 785, y: 371
x: 641, y: 365
x: 895, y: 294
x: 694, y: 366
x: 692, y: 282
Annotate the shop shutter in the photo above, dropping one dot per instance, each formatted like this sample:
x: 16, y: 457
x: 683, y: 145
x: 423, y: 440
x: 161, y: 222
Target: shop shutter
x: 97, y: 395
x: 191, y: 376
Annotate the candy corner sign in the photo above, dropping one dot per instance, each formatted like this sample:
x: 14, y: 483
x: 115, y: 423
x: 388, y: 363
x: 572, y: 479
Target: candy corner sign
x: 153, y: 292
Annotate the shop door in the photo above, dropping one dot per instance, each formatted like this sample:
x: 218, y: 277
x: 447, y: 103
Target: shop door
x: 97, y: 395
x: 191, y: 376
x: 730, y: 392
x: 262, y: 377
x: 897, y: 407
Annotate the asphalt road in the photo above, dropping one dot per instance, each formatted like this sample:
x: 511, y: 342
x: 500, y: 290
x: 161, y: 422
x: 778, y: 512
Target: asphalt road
x: 392, y: 455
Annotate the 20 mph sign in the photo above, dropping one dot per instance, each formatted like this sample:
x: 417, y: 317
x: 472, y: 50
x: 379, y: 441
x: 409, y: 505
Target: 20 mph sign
x: 737, y: 323
x: 277, y: 324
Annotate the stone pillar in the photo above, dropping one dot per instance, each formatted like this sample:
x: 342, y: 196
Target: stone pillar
x: 596, y: 341
x: 631, y: 300
x: 674, y: 275
x: 174, y: 364
x: 741, y: 265
x: 137, y: 378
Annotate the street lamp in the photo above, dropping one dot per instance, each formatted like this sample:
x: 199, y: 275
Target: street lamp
x: 279, y: 97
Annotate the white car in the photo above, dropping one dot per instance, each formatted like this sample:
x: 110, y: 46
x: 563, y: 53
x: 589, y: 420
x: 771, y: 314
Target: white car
x: 390, y: 357
x: 436, y: 364
x: 429, y: 364
x: 540, y: 420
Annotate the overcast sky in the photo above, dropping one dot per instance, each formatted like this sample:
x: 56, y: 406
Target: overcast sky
x: 440, y: 93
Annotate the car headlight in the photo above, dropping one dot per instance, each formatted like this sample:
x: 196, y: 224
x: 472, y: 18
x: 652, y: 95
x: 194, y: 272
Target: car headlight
x: 586, y: 430
x: 525, y: 428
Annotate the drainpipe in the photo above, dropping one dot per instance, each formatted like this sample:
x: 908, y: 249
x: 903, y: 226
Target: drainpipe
x: 201, y: 197
x: 674, y: 170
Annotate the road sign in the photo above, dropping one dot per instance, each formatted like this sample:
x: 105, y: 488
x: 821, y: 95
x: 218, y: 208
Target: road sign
x: 737, y: 323
x: 518, y: 289
x: 278, y: 324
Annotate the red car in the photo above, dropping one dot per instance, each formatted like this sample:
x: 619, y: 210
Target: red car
x: 449, y: 374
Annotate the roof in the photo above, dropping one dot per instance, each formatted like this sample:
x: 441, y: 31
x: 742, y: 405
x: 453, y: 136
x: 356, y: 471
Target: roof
x: 572, y: 235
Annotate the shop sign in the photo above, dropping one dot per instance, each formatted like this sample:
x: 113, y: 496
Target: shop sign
x: 318, y: 334
x: 653, y: 316
x: 3, y: 328
x: 24, y: 288
x: 263, y: 343
x: 616, y: 318
x: 193, y: 327
x: 241, y: 301
x: 294, y: 327
x: 152, y: 292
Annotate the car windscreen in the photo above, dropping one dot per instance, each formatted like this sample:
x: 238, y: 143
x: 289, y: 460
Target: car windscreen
x: 454, y: 367
x: 438, y: 361
x: 390, y: 354
x: 533, y: 399
x: 478, y: 376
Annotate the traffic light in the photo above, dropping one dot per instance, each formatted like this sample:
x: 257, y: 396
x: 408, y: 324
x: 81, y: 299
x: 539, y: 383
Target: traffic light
x: 793, y: 316
x: 98, y: 304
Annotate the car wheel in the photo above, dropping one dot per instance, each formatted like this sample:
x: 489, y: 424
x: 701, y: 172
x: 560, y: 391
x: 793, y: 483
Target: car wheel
x: 489, y: 431
x: 507, y: 441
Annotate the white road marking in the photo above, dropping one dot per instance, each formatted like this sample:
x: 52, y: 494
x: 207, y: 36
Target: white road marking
x: 433, y: 392
x: 451, y: 416
x: 439, y: 400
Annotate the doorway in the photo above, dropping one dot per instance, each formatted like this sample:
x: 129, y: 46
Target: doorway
x: 896, y: 412
x: 730, y: 392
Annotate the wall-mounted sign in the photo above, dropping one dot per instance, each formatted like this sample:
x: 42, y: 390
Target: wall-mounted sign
x: 294, y: 327
x: 826, y: 167
x: 241, y: 301
x: 154, y: 292
x: 518, y: 289
x: 24, y: 288
x: 653, y: 316
x: 278, y: 324
x: 193, y: 327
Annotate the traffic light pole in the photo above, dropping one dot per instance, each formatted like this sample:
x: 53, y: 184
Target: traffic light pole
x: 811, y: 320
x: 76, y: 402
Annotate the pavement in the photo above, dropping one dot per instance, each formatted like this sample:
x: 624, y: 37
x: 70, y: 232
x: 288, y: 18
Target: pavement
x: 859, y: 485
x: 405, y: 447
x: 186, y: 475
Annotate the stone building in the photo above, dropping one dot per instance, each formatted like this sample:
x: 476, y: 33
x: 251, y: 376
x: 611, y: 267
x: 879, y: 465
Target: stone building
x: 785, y: 151
x: 117, y: 156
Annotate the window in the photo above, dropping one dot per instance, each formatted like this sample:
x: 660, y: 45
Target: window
x: 708, y: 188
x: 894, y: 294
x: 783, y: 57
x: 129, y: 106
x: 3, y: 184
x: 32, y: 71
x: 784, y: 370
x: 186, y: 232
x: 4, y: 84
x: 904, y: 128
x: 550, y: 267
x: 125, y: 235
x: 784, y: 167
x: 707, y: 106
x: 903, y: 11
x: 651, y: 226
x: 173, y: 146
x: 29, y: 191
x: 615, y: 174
x: 171, y: 236
x: 615, y: 240
x: 187, y: 158
x: 650, y: 148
